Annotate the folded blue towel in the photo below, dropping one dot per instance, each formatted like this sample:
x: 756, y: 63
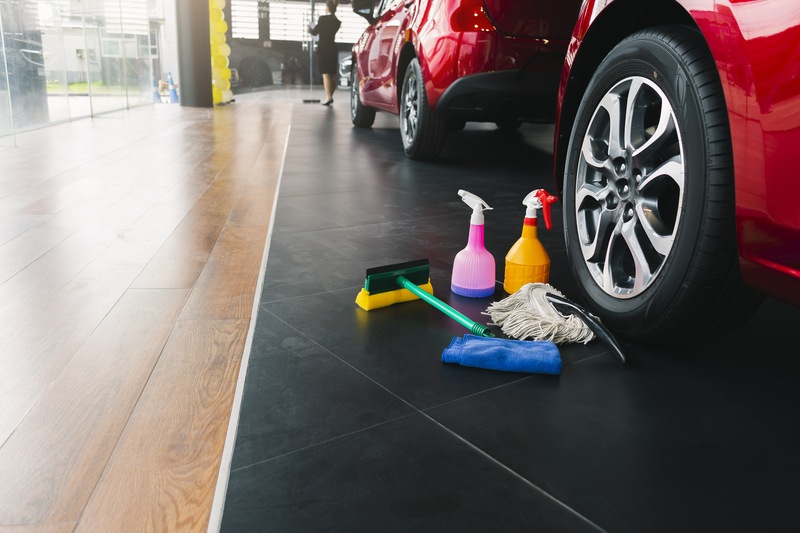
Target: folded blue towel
x: 540, y: 357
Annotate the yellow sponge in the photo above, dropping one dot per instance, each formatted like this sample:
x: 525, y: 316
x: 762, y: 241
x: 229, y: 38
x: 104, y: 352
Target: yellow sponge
x: 368, y: 302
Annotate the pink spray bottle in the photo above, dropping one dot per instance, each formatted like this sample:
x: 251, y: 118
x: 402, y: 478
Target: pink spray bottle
x: 473, y: 267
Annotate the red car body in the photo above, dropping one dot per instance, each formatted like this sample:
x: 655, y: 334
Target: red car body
x: 755, y: 46
x: 481, y: 60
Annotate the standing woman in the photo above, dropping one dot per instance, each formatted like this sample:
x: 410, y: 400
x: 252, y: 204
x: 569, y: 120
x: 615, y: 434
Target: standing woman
x: 327, y: 53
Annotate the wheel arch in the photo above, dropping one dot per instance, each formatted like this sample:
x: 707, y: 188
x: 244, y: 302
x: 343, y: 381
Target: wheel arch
x: 620, y: 19
x: 407, y: 53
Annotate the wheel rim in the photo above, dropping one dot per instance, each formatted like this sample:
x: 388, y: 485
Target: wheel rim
x: 354, y: 101
x: 629, y: 187
x: 409, y: 115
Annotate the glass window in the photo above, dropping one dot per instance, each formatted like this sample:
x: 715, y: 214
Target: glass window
x: 154, y: 43
x: 69, y: 59
x: 244, y: 19
x: 111, y: 48
x: 288, y: 21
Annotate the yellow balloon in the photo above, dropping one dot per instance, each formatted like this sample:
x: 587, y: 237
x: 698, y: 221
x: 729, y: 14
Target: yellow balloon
x: 218, y: 4
x: 217, y: 94
x: 227, y: 96
x: 225, y: 73
x: 220, y: 61
x: 221, y: 26
x: 215, y: 14
x: 218, y: 38
x: 225, y: 49
x: 215, y: 49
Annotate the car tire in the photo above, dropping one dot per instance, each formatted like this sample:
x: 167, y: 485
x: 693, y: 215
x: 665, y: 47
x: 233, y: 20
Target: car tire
x: 423, y: 131
x: 361, y: 115
x: 648, y: 193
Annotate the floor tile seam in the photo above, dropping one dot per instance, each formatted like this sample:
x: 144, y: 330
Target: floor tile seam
x: 367, y: 224
x: 345, y: 188
x: 478, y: 393
x: 375, y: 164
x: 766, y: 379
x: 602, y: 351
x: 323, y: 442
x: 357, y: 370
x: 359, y: 170
x: 352, y: 185
x: 510, y: 470
x: 263, y: 303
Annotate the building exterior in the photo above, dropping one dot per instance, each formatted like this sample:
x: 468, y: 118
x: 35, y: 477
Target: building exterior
x: 68, y: 59
x: 62, y: 60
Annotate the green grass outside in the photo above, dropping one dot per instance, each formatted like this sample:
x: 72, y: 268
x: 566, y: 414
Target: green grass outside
x: 98, y: 87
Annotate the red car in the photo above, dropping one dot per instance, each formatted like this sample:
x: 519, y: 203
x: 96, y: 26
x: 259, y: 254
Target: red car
x: 438, y: 64
x: 676, y: 130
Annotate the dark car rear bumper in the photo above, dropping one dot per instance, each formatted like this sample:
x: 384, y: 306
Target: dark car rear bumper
x: 508, y: 94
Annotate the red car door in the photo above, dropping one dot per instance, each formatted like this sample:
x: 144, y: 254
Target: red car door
x: 380, y: 88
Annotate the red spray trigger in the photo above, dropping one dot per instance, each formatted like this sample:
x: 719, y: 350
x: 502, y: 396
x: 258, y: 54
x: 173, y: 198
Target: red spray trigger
x: 546, y: 199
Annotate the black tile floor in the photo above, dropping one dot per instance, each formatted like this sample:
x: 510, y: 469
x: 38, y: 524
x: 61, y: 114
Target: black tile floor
x: 351, y: 422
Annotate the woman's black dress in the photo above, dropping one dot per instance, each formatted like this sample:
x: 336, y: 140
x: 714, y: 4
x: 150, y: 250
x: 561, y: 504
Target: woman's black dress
x: 327, y: 53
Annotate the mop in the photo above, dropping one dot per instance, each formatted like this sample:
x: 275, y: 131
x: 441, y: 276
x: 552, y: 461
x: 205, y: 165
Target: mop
x: 538, y: 311
x: 535, y: 328
x: 527, y: 314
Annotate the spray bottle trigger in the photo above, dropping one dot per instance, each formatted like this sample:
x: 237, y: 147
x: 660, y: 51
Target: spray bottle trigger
x: 546, y: 199
x: 477, y: 205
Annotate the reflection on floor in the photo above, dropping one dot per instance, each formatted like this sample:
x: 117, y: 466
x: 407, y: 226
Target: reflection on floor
x: 351, y: 422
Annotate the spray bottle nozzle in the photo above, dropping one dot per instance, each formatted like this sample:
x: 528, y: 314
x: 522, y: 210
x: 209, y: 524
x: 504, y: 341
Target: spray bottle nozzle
x: 539, y: 199
x: 477, y: 205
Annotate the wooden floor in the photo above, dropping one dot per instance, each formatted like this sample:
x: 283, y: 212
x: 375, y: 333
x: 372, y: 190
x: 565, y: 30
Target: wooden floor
x: 131, y: 249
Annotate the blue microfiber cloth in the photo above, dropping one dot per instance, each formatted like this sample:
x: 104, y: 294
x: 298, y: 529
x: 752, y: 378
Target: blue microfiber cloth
x: 539, y: 357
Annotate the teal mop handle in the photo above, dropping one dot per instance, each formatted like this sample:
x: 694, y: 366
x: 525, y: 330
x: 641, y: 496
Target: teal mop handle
x: 474, y: 327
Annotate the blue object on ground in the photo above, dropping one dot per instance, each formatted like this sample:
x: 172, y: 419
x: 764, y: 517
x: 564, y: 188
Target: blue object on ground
x: 539, y: 357
x: 156, y: 94
x: 173, y: 92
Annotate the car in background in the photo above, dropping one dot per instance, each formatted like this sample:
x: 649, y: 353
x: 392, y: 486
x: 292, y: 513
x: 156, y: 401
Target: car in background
x: 438, y: 64
x: 677, y: 126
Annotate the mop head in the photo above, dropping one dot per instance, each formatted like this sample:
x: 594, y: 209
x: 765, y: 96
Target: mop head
x: 527, y: 314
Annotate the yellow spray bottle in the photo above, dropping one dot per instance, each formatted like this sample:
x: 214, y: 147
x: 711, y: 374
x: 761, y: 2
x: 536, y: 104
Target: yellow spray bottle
x: 527, y: 261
